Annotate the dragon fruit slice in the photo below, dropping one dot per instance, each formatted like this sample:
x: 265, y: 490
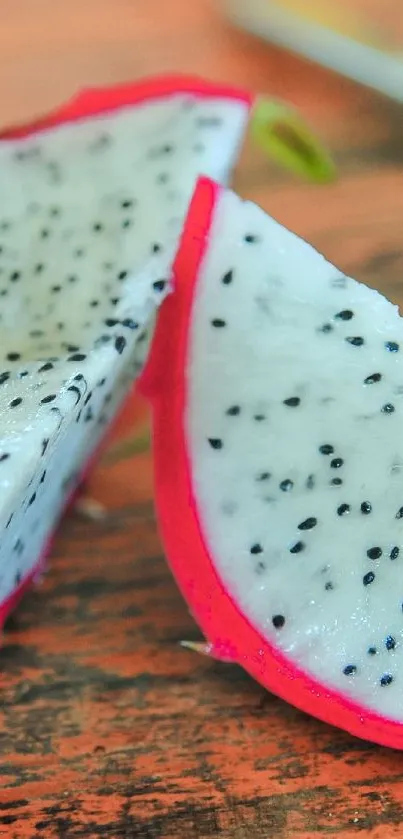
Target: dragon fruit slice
x: 93, y: 200
x: 279, y: 464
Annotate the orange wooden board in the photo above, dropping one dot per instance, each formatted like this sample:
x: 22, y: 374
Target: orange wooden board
x: 107, y: 727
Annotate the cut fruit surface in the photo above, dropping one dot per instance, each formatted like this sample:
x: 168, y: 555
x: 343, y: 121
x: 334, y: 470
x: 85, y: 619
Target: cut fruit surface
x: 279, y: 463
x: 93, y: 200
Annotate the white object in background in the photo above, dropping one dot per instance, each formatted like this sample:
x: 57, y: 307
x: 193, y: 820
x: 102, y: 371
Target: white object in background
x: 379, y: 67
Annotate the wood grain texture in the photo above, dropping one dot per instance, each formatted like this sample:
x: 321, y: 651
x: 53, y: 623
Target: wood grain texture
x: 108, y: 728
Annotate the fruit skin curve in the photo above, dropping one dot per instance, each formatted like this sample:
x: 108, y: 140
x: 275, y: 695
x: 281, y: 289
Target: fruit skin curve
x: 93, y: 101
x: 230, y: 635
x: 87, y: 103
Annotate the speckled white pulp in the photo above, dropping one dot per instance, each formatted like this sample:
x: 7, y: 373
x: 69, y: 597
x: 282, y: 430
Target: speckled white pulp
x: 295, y: 431
x: 89, y: 220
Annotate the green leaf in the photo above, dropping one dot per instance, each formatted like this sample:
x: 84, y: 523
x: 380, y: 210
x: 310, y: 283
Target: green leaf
x: 282, y: 135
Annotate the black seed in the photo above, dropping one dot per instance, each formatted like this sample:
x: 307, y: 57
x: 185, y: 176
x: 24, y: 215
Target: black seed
x: 372, y: 651
x: 233, y: 411
x: 256, y: 548
x: 4, y: 457
x: 345, y: 314
x: 122, y: 275
x: 44, y: 233
x: 72, y: 278
x: 374, y: 553
x: 227, y: 278
x: 386, y: 679
x: 264, y: 476
x: 71, y: 347
x: 97, y: 227
x: 391, y: 346
x: 343, y: 509
x: 308, y: 524
x: 130, y: 324
x: 388, y: 408
x: 310, y: 482
x: 399, y: 513
x: 120, y: 343
x: 278, y: 621
x: 32, y: 499
x: 215, y: 442
x: 100, y: 383
x: 159, y: 285
x: 286, y: 485
x: 366, y: 508
x: 54, y: 212
x: 329, y: 586
x: 218, y: 323
x: 326, y: 449
x: 394, y: 553
x: 13, y: 356
x: 45, y: 367
x: 36, y: 333
x: 326, y: 328
x: 125, y: 205
x: 79, y: 252
x: 297, y: 548
x: 355, y: 341
x: 23, y: 373
x: 94, y: 303
x: 4, y: 377
x: 14, y: 276
x: 39, y: 268
x: 15, y: 402
x: 115, y: 300
x: 390, y: 642
x: 10, y: 520
x: 127, y: 223
x: 76, y: 390
x: 372, y: 379
x: 89, y: 415
x: 209, y: 122
x: 47, y: 399
x: 45, y: 444
x: 368, y: 578
x: 250, y: 238
x: 87, y: 398
x: 111, y: 322
x: 156, y: 247
x: 259, y: 417
x: 56, y: 288
x: 77, y: 357
x: 336, y: 462
x: 350, y: 670
x: 292, y: 402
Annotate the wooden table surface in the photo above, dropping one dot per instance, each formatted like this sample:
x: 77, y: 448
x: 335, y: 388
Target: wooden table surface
x: 108, y: 727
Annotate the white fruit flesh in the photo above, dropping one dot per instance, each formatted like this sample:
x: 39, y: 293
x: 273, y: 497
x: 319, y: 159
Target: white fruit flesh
x: 89, y: 220
x: 300, y: 501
